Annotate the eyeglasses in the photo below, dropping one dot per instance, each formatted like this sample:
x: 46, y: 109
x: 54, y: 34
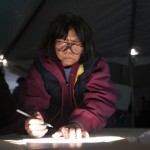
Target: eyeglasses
x: 75, y: 47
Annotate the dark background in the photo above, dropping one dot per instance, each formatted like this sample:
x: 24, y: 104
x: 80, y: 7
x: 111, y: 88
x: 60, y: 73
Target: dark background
x: 118, y: 26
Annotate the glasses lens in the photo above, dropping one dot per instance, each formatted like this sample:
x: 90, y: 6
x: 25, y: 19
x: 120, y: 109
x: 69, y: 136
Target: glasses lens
x: 61, y: 45
x: 75, y: 48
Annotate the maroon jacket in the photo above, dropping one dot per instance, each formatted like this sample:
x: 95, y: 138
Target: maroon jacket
x: 97, y: 106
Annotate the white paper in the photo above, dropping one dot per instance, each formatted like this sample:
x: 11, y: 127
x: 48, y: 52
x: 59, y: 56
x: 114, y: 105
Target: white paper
x: 43, y: 143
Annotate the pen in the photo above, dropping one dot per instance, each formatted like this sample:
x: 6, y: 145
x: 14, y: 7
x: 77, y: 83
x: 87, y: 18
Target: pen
x: 29, y: 116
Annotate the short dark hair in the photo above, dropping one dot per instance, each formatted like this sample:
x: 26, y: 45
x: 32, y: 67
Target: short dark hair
x: 59, y: 28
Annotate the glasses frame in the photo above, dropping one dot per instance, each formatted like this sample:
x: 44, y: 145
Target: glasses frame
x: 69, y: 45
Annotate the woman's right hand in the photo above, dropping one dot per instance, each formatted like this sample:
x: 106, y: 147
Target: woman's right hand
x: 35, y: 127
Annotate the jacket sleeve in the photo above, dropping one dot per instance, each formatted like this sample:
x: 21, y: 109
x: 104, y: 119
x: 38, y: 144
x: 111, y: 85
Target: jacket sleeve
x: 99, y: 100
x: 33, y: 97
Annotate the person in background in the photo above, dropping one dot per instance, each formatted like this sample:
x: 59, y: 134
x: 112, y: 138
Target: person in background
x: 7, y: 106
x: 63, y: 87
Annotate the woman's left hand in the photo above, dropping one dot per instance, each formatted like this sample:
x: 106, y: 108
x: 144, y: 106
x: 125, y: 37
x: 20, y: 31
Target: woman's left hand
x: 71, y: 131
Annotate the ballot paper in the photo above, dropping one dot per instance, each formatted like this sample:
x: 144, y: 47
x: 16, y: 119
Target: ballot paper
x: 43, y: 143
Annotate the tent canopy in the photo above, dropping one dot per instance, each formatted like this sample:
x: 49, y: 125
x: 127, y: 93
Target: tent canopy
x: 117, y: 26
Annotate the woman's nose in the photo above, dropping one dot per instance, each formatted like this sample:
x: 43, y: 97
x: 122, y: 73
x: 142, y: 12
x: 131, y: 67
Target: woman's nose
x: 68, y: 48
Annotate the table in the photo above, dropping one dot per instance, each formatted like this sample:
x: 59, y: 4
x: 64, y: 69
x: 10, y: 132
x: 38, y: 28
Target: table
x: 130, y: 142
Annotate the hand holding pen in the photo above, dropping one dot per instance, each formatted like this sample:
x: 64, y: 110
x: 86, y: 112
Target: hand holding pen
x: 35, y: 125
x: 29, y: 116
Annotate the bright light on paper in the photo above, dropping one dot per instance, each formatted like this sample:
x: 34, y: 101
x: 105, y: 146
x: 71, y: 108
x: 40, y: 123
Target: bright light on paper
x: 43, y: 143
x: 83, y: 140
x: 17, y: 142
x: 62, y: 140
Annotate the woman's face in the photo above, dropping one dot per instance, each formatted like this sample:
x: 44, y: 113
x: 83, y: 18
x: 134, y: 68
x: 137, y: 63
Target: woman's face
x: 69, y: 51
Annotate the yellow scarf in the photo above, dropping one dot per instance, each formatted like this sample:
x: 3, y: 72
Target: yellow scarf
x: 79, y: 72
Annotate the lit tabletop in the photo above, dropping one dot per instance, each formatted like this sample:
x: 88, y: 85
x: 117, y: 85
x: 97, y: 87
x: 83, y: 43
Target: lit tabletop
x: 107, y: 138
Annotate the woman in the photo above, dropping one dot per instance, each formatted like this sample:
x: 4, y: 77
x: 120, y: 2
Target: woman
x: 61, y: 89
